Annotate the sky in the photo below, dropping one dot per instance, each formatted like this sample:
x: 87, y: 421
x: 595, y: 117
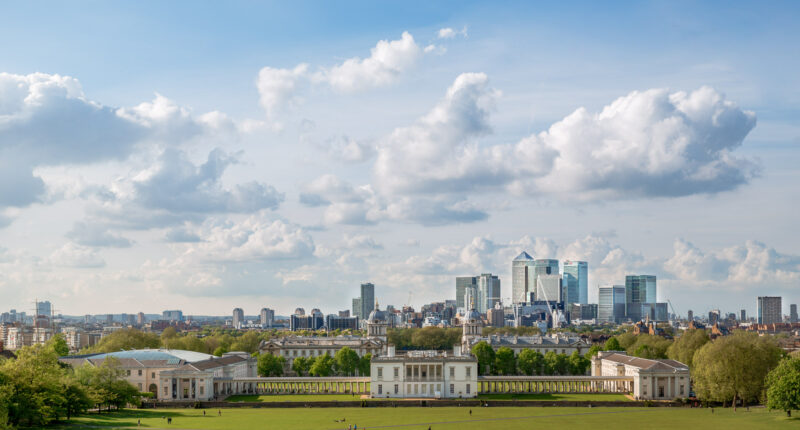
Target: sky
x: 163, y: 155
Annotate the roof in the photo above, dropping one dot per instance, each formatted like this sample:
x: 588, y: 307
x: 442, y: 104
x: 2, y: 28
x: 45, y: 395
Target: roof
x: 171, y: 356
x: 524, y: 256
x: 531, y: 341
x: 661, y: 365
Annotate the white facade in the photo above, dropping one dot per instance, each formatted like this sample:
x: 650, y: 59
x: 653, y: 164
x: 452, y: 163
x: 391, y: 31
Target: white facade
x: 652, y: 379
x: 424, y: 374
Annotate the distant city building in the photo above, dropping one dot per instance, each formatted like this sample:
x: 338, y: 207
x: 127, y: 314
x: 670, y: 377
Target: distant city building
x: 639, y: 290
x: 544, y: 267
x: 522, y: 278
x: 769, y: 310
x: 713, y: 316
x: 583, y: 311
x: 238, y: 318
x: 357, y: 307
x: 548, y: 287
x: 365, y: 302
x: 465, y: 286
x: 344, y: 314
x: 793, y: 313
x: 109, y: 319
x: 488, y: 292
x: 495, y: 316
x: 335, y: 322
x: 690, y: 315
x: 611, y: 303
x: 172, y: 315
x: 743, y: 316
x: 267, y: 317
x: 300, y: 311
x: 306, y: 322
x: 44, y: 308
x: 575, y: 282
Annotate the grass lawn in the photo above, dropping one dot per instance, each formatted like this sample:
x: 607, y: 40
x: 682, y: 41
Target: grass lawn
x: 445, y: 418
x: 295, y: 398
x: 591, y: 397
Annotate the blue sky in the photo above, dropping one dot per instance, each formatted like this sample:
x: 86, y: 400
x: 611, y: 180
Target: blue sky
x: 283, y: 161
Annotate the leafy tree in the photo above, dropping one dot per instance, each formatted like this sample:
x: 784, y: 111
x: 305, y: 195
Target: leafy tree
x: 577, y: 363
x: 323, y: 366
x: 626, y: 340
x: 60, y: 345
x: 76, y: 398
x: 593, y: 351
x: 220, y: 351
x: 106, y: 384
x: 648, y: 346
x: 126, y: 339
x: 270, y: 365
x: 247, y: 342
x: 734, y: 367
x: 555, y: 364
x: 167, y: 336
x: 612, y: 345
x: 300, y: 365
x: 783, y: 386
x: 684, y: 348
x: 364, y: 365
x: 346, y: 361
x: 486, y: 356
x: 505, y: 361
x: 530, y: 361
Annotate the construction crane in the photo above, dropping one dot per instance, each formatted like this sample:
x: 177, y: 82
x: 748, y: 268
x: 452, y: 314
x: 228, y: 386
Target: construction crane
x: 674, y: 312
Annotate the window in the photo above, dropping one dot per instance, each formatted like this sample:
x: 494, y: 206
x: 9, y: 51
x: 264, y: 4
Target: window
x: 469, y: 372
x: 165, y: 390
x: 396, y: 373
x: 380, y: 389
x: 380, y: 373
x: 467, y: 388
x: 408, y: 371
x: 202, y: 390
x: 140, y: 387
x: 452, y: 388
x: 140, y: 372
x: 452, y: 372
x: 304, y: 353
x: 681, y: 389
x: 153, y: 375
x: 396, y: 388
x: 128, y: 372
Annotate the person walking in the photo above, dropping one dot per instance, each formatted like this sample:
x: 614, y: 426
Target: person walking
x: 470, y: 412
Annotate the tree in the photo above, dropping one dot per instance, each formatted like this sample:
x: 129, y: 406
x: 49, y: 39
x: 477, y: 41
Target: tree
x: 270, y: 365
x: 248, y: 342
x: 76, y: 398
x: 485, y: 355
x: 126, y: 339
x: 684, y: 348
x: 530, y: 362
x: 364, y: 364
x: 612, y: 345
x: 648, y: 346
x: 734, y: 367
x: 505, y: 361
x: 323, y: 366
x: 300, y: 365
x: 555, y: 364
x: 593, y: 350
x: 60, y: 345
x: 220, y: 351
x: 346, y: 361
x: 783, y: 386
x: 577, y: 363
x: 106, y: 384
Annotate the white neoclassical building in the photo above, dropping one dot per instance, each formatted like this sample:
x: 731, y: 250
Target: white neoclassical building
x: 652, y: 379
x: 424, y: 374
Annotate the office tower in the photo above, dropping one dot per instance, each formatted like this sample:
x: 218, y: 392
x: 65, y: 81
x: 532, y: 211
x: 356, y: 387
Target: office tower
x: 238, y: 318
x: 495, y: 316
x: 344, y: 314
x: 548, y: 288
x: 140, y: 318
x: 543, y: 267
x: 611, y: 303
x: 173, y: 315
x: 357, y: 307
x: 522, y: 269
x: 575, y: 282
x: 583, y: 311
x: 488, y: 292
x: 690, y: 315
x: 462, y: 284
x: 713, y: 316
x: 367, y: 299
x: 299, y: 311
x: 743, y: 316
x: 267, y: 317
x: 769, y: 310
x: 793, y: 313
x: 639, y: 290
x: 44, y: 308
x: 109, y: 319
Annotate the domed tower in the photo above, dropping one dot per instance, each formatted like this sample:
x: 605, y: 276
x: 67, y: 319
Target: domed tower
x: 472, y: 328
x: 377, y: 324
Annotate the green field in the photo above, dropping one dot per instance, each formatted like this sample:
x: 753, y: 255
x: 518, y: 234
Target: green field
x: 558, y: 397
x: 295, y: 398
x: 445, y: 418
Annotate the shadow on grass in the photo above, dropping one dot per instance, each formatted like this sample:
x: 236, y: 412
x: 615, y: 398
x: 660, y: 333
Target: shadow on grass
x: 124, y: 418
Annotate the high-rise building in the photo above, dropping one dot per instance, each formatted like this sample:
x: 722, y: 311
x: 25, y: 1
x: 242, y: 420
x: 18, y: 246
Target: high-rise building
x: 543, y: 267
x: 488, y: 292
x: 140, y: 318
x: 109, y: 319
x: 743, y: 315
x: 548, y: 288
x: 793, y: 313
x: 357, y: 307
x: 267, y: 317
x: 575, y: 282
x: 174, y: 315
x: 462, y: 284
x: 583, y: 311
x: 639, y: 290
x: 43, y: 308
x: 367, y: 299
x: 495, y: 316
x: 769, y: 310
x: 690, y: 315
x: 344, y: 314
x: 522, y: 270
x: 611, y: 303
x: 238, y: 318
x: 714, y: 316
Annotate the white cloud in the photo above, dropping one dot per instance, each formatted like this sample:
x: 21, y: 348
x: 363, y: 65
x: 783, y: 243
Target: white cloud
x: 72, y: 255
x: 449, y: 33
x: 96, y: 235
x: 278, y: 87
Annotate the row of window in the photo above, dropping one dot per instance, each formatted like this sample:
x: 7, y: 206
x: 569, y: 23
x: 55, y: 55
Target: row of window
x: 421, y: 372
x: 424, y: 388
x: 128, y: 373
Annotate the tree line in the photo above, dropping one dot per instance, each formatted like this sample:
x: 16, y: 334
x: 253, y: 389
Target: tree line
x: 529, y: 362
x: 345, y: 362
x: 37, y: 389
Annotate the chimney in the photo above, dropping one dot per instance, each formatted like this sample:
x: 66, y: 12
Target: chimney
x: 390, y: 351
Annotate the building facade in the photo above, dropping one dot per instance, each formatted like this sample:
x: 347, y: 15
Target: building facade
x: 522, y: 275
x: 489, y: 293
x: 463, y: 284
x: 424, y: 374
x: 639, y: 290
x: 238, y: 318
x: 611, y: 303
x: 652, y: 379
x: 543, y: 267
x: 576, y: 282
x: 769, y: 310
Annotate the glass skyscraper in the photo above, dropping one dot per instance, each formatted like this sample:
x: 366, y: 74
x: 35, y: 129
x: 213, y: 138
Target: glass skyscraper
x: 576, y: 282
x: 367, y: 299
x: 543, y: 267
x: 639, y: 290
x: 463, y: 283
x: 522, y: 276
x: 611, y: 303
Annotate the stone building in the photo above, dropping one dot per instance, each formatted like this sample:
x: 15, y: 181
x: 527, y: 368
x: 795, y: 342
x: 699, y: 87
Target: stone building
x: 424, y: 374
x: 652, y: 379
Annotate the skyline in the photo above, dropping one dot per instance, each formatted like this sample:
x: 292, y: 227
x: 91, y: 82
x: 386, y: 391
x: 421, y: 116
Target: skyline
x: 283, y: 155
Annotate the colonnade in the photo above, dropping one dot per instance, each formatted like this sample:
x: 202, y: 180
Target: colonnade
x: 300, y: 385
x: 544, y: 384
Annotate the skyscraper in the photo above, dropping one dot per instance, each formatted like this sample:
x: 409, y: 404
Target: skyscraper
x: 462, y: 284
x: 769, y: 310
x: 548, y: 288
x: 140, y: 318
x: 238, y: 317
x: 793, y: 313
x: 488, y: 292
x: 43, y: 308
x: 367, y: 299
x: 357, y: 308
x: 522, y: 275
x: 611, y: 303
x: 267, y: 317
x: 743, y: 315
x: 543, y: 267
x: 690, y: 315
x: 576, y: 282
x: 639, y: 290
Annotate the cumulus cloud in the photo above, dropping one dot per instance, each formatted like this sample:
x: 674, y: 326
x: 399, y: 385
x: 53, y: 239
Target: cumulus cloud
x: 349, y: 150
x: 278, y: 87
x: 449, y: 33
x: 96, y: 235
x: 182, y: 235
x: 72, y: 255
x: 47, y: 120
